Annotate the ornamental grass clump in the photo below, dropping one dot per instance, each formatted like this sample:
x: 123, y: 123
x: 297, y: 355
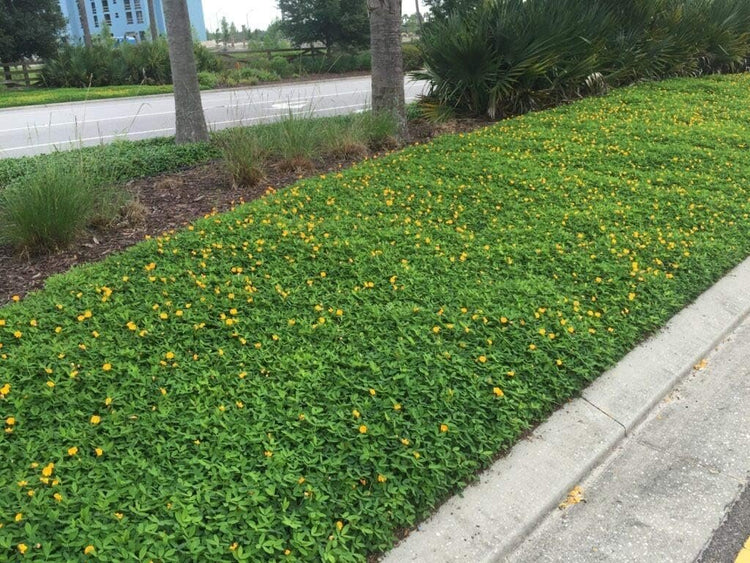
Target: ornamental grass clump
x: 243, y: 155
x: 47, y: 208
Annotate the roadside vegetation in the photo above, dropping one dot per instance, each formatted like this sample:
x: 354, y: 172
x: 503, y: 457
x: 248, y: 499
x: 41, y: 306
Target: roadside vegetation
x: 508, y: 57
x: 307, y: 374
x: 36, y: 96
x: 46, y: 200
x: 106, y: 70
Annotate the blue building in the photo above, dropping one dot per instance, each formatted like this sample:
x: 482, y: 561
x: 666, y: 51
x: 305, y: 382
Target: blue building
x: 127, y: 19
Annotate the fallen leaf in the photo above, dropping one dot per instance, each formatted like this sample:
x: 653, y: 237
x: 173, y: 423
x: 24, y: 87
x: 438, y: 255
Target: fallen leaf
x: 702, y: 364
x: 574, y: 497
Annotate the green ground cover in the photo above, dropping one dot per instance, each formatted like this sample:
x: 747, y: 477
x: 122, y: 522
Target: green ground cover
x: 36, y: 96
x: 298, y: 378
x: 124, y: 160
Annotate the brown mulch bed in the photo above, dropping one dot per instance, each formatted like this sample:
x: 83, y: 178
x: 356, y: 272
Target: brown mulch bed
x: 170, y: 201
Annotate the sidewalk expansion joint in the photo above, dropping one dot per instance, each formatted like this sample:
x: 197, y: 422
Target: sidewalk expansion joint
x: 605, y: 413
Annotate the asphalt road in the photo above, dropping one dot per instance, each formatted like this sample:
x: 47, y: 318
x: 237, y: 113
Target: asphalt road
x: 727, y: 542
x: 41, y: 129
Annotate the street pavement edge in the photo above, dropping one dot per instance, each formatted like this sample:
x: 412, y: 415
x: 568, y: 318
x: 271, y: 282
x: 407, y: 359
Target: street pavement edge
x: 493, y: 516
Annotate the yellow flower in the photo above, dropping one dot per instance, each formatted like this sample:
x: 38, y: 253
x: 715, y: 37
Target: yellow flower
x: 363, y: 429
x: 99, y: 452
x: 498, y: 392
x: 108, y: 401
x: 18, y: 517
x: 234, y: 546
x: 58, y: 497
x: 48, y: 469
x: 33, y: 322
x: 50, y: 384
x: 532, y: 346
x: 10, y: 421
x: 88, y: 550
x: 373, y: 392
x: 482, y: 359
x: 397, y: 407
x: 268, y: 453
x: 355, y: 413
x: 382, y: 478
x: 18, y: 334
x: 339, y: 525
x: 131, y: 325
x: 443, y: 428
x: 107, y: 367
x: 405, y: 441
x: 72, y: 451
x: 5, y: 389
x: 119, y: 515
x: 22, y: 547
x: 96, y: 419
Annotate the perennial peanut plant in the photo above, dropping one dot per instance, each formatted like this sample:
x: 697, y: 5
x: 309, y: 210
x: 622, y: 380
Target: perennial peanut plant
x: 305, y: 375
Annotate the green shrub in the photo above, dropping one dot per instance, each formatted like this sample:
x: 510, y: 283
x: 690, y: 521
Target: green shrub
x: 205, y: 60
x: 513, y: 56
x: 208, y: 80
x: 106, y: 64
x: 413, y: 59
x: 243, y: 154
x: 47, y: 208
x: 282, y: 67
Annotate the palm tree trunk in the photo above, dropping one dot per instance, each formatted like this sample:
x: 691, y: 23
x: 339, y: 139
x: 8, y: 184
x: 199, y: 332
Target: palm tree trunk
x: 419, y: 16
x: 387, y: 60
x: 84, y: 22
x: 190, y: 122
x: 152, y: 20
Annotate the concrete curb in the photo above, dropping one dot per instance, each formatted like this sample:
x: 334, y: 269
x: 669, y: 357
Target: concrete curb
x: 493, y: 517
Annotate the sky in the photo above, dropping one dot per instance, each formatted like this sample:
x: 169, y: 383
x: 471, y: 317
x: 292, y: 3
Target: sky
x: 256, y: 14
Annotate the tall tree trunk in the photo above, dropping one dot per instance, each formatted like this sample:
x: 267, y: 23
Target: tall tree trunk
x: 84, y: 22
x: 387, y: 60
x: 152, y: 20
x: 420, y: 21
x: 190, y: 122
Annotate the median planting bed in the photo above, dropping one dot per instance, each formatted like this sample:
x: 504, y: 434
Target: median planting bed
x: 304, y: 376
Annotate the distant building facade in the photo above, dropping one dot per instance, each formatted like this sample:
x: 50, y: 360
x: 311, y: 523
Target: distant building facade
x: 127, y: 19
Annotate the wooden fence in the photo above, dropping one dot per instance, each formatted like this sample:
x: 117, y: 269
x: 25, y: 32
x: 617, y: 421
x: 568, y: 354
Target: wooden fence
x: 23, y: 73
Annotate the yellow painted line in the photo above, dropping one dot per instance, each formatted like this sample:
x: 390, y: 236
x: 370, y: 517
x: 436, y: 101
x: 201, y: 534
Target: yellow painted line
x: 744, y: 555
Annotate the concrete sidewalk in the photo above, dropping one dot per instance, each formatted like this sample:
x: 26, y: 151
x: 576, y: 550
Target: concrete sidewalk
x: 663, y: 492
x: 657, y: 464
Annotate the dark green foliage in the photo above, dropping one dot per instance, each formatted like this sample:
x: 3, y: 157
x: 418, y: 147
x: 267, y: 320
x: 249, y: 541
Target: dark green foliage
x: 106, y: 64
x: 323, y: 366
x: 28, y: 28
x: 340, y: 23
x: 443, y: 9
x: 413, y: 59
x: 512, y: 56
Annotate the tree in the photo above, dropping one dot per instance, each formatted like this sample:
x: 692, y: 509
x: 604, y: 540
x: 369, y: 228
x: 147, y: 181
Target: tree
x: 190, y: 121
x: 224, y: 32
x: 387, y: 60
x: 84, y: 18
x: 152, y: 20
x: 442, y: 9
x: 29, y: 28
x: 340, y: 23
